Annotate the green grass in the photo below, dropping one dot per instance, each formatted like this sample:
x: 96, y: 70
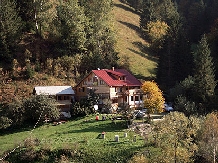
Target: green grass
x: 130, y: 42
x: 82, y: 135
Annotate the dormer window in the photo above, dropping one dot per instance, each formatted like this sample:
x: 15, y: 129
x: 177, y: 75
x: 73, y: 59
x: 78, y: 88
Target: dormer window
x: 102, y: 82
x: 122, y: 78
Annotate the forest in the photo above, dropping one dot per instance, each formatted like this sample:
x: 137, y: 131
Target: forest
x: 60, y: 41
x: 68, y: 39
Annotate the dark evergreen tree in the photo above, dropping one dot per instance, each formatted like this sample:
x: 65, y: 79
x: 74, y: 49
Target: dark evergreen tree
x: 149, y: 12
x: 37, y: 14
x: 71, y: 24
x: 100, y: 35
x: 196, y: 21
x: 204, y: 72
x: 26, y: 12
x: 175, y: 60
x: 10, y: 27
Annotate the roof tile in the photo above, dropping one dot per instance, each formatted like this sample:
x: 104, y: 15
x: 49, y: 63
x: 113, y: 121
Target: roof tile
x: 108, y: 77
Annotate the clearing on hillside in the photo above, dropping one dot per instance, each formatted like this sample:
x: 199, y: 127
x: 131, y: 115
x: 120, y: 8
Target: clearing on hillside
x: 130, y: 44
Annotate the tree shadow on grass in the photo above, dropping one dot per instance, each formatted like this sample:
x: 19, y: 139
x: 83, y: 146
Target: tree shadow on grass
x: 132, y: 26
x: 12, y: 130
x: 100, y: 127
x: 149, y: 57
x: 126, y: 8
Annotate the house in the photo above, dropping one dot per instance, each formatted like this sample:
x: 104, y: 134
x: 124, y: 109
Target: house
x: 64, y: 95
x: 118, y: 85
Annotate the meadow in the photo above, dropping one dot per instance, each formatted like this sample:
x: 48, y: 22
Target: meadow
x: 81, y: 136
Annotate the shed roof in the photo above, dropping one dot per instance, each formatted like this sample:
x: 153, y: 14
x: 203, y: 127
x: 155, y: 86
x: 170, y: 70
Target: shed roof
x: 54, y: 90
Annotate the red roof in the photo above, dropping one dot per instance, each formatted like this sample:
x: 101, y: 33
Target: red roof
x: 108, y: 76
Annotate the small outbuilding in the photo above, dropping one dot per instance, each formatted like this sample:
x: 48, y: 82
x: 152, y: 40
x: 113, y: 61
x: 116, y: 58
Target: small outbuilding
x: 64, y: 95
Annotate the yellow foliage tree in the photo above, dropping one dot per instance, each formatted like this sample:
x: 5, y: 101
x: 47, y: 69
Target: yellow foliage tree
x: 154, y: 100
x: 157, y: 30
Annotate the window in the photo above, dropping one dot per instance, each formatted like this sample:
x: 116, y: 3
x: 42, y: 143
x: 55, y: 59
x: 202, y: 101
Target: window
x: 132, y: 98
x: 66, y: 97
x: 122, y: 78
x: 95, y: 80
x: 101, y: 82
x: 121, y: 89
x: 136, y: 98
x: 59, y: 98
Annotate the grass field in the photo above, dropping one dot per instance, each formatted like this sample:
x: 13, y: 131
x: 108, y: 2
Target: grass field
x: 82, y: 135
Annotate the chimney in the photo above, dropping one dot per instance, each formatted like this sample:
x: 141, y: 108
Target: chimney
x: 113, y: 68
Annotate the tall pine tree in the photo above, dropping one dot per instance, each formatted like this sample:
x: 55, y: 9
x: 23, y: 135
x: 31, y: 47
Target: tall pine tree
x: 173, y: 55
x: 71, y: 24
x: 204, y: 72
x: 10, y: 27
x: 100, y: 35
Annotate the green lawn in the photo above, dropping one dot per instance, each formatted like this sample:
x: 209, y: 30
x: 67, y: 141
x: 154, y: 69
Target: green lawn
x: 83, y: 136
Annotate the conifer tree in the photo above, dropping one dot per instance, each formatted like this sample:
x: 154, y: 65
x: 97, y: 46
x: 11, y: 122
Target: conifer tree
x: 37, y: 14
x: 204, y: 71
x: 71, y: 24
x: 100, y: 34
x: 149, y: 12
x: 10, y: 26
x: 174, y: 54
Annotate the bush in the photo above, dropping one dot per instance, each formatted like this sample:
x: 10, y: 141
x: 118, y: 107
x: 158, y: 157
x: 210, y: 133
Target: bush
x: 5, y: 122
x: 185, y: 106
x: 40, y: 105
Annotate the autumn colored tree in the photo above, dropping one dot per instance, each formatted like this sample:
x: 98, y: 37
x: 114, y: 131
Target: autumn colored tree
x: 209, y: 138
x: 154, y: 100
x: 156, y: 31
x: 175, y: 135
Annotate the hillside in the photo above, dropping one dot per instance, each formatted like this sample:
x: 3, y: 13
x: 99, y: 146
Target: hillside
x: 130, y: 44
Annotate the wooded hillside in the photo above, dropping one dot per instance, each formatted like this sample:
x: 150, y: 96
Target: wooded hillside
x: 58, y: 42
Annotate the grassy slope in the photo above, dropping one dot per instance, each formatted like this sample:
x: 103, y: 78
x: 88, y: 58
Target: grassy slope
x: 130, y: 43
x: 83, y: 135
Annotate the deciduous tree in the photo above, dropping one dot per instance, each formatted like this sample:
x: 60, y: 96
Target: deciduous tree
x: 101, y: 36
x: 174, y: 135
x: 39, y: 106
x: 208, y: 144
x: 154, y: 100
